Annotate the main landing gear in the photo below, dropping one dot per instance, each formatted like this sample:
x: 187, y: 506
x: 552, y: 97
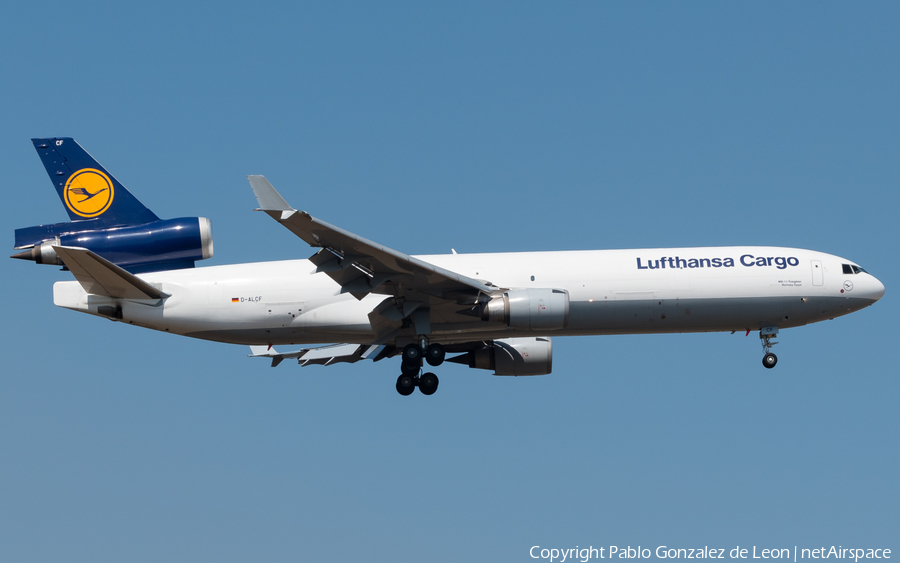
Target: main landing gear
x: 411, y: 366
x: 766, y: 336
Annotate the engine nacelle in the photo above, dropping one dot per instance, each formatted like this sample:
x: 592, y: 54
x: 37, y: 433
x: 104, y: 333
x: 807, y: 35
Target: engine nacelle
x: 529, y: 309
x: 512, y: 356
x: 160, y: 245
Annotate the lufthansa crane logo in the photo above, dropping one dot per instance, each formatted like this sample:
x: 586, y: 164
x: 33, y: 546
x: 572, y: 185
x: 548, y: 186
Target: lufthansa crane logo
x: 89, y: 192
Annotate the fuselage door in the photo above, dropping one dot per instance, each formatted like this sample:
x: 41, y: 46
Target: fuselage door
x: 818, y: 274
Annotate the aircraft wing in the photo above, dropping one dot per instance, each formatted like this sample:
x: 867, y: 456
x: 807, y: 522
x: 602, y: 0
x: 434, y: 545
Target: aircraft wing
x: 361, y: 266
x: 325, y: 355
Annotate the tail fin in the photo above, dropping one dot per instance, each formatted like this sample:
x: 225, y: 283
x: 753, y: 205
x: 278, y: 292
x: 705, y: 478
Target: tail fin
x: 86, y: 189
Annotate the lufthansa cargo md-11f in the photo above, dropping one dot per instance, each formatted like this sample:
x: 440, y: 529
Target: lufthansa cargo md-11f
x: 488, y: 311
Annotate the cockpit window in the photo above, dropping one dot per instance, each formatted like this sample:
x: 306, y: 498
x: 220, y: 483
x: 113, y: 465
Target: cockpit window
x: 850, y: 269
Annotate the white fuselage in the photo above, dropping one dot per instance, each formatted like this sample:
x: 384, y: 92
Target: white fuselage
x: 610, y: 292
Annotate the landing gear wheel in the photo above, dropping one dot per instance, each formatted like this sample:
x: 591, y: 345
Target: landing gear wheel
x: 434, y: 354
x: 428, y: 384
x: 412, y: 354
x: 406, y: 384
x: 767, y: 335
x: 411, y: 370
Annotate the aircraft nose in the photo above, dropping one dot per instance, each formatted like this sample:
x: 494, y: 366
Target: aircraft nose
x: 874, y: 290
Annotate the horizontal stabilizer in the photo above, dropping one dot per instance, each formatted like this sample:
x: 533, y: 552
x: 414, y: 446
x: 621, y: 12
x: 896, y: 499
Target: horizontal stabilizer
x: 101, y: 277
x: 325, y: 355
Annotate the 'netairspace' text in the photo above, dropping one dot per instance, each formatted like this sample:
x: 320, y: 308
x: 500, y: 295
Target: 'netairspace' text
x: 584, y: 554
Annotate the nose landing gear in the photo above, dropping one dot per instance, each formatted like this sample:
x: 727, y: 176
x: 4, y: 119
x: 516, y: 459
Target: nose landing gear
x: 766, y: 336
x: 411, y: 366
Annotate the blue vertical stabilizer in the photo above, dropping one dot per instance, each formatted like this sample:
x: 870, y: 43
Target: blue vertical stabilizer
x: 107, y: 220
x: 86, y: 189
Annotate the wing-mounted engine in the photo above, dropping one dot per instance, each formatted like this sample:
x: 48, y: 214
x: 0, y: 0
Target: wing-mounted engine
x: 529, y: 309
x: 160, y: 245
x: 511, y: 356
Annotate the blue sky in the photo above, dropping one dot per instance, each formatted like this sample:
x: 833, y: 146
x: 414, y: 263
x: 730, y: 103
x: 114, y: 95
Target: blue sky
x: 480, y: 127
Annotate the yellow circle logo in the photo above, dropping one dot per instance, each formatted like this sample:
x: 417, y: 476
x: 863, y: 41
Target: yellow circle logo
x: 89, y: 192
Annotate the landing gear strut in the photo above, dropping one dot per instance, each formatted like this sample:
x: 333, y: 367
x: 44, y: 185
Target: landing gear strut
x: 412, y: 364
x: 766, y: 336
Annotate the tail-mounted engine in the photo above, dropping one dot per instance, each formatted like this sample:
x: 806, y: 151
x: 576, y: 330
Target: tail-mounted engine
x: 511, y: 356
x: 529, y: 309
x: 160, y: 245
x: 105, y: 218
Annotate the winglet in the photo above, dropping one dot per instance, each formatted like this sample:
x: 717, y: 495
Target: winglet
x: 269, y: 199
x: 101, y: 277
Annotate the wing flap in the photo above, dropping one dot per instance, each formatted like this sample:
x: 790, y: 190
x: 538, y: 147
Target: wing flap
x: 324, y: 355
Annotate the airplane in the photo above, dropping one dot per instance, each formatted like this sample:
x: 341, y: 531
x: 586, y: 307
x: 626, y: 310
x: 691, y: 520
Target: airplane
x: 365, y: 301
